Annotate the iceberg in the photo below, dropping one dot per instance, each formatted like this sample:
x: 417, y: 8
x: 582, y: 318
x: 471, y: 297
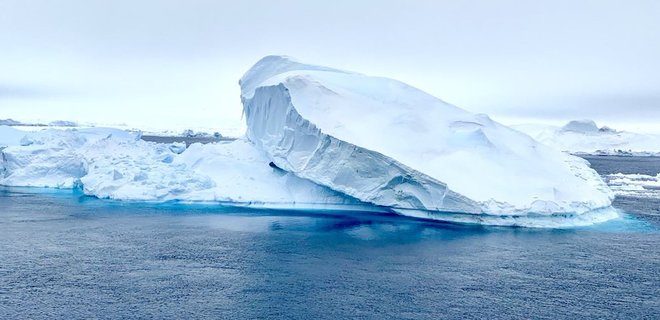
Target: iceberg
x: 115, y: 164
x: 634, y: 185
x: 585, y: 137
x: 386, y: 143
x: 322, y: 138
x: 49, y: 158
x: 581, y: 126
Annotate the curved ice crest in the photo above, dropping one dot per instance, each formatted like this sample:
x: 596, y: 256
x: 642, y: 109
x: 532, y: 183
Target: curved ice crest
x: 387, y: 143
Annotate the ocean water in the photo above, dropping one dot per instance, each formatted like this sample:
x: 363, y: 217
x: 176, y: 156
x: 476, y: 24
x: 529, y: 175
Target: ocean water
x: 67, y: 256
x: 643, y: 175
x: 624, y: 164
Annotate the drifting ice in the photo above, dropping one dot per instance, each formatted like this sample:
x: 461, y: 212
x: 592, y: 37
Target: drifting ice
x: 384, y: 142
x: 110, y: 163
x: 585, y: 137
x: 323, y: 138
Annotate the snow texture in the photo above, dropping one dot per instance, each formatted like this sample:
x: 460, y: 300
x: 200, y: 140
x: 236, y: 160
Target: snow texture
x: 386, y: 143
x: 115, y: 164
x: 584, y: 137
x: 51, y: 158
x: 322, y: 138
x: 635, y: 185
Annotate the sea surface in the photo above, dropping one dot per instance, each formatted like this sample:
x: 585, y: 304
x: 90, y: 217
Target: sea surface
x: 67, y: 256
x: 641, y: 174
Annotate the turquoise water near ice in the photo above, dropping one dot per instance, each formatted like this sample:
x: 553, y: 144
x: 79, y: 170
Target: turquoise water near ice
x: 64, y: 255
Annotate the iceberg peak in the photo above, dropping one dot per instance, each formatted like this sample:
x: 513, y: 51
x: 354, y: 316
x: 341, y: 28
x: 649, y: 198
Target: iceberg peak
x: 271, y: 66
x: 582, y: 126
x: 384, y: 142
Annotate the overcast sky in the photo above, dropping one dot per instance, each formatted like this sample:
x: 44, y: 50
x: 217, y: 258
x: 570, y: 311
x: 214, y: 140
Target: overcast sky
x: 176, y: 64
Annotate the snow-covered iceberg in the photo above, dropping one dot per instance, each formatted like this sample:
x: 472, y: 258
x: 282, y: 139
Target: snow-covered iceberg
x: 321, y: 138
x: 585, y: 137
x: 387, y: 143
x: 49, y: 158
x: 115, y: 164
x: 635, y: 185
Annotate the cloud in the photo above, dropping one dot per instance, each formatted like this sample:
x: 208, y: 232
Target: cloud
x: 552, y: 59
x: 630, y: 106
x: 24, y: 92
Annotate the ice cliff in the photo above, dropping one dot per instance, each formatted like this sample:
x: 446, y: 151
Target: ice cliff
x: 387, y: 143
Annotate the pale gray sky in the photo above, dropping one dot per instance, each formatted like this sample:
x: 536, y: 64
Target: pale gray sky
x: 161, y: 63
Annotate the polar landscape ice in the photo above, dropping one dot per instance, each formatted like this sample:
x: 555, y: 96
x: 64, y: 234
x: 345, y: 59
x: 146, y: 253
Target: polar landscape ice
x: 384, y: 142
x: 635, y: 185
x: 115, y: 164
x: 585, y: 137
x: 321, y: 138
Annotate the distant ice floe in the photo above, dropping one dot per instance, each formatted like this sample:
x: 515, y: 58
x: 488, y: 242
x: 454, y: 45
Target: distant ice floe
x: 634, y: 185
x: 585, y: 137
x: 115, y: 164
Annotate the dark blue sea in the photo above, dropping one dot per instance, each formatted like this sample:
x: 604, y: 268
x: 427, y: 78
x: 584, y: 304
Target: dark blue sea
x: 67, y: 256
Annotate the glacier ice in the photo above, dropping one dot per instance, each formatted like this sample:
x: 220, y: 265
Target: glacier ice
x: 114, y: 164
x: 178, y: 147
x: 50, y: 158
x: 585, y: 137
x: 384, y: 142
x: 582, y: 126
x: 634, y: 185
x: 322, y: 138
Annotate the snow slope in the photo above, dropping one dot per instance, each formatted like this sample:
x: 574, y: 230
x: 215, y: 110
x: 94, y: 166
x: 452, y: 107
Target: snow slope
x: 584, y: 136
x: 384, y: 142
